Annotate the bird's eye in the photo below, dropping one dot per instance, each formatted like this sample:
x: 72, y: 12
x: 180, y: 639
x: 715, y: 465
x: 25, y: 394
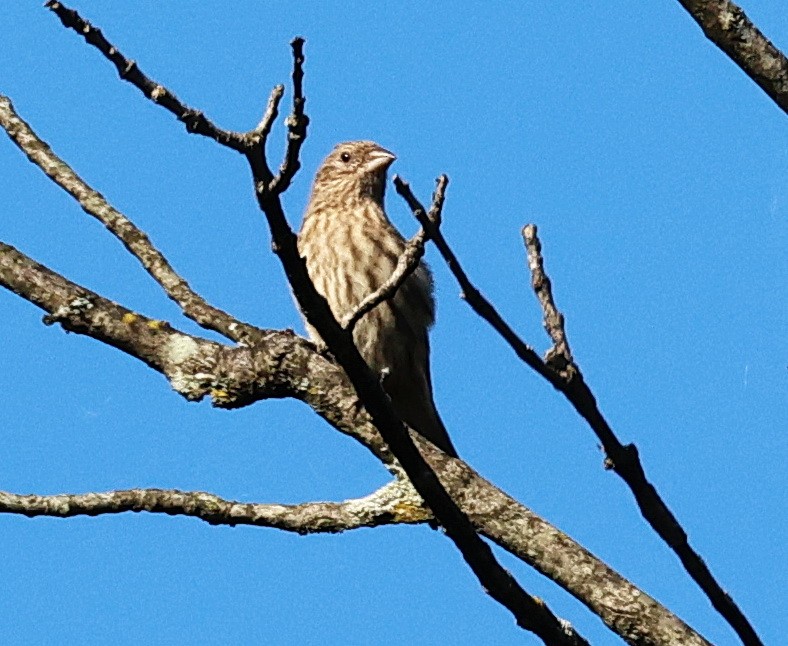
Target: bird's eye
x: 345, y: 157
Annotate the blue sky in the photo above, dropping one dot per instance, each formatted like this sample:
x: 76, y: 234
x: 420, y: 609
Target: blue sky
x: 658, y: 175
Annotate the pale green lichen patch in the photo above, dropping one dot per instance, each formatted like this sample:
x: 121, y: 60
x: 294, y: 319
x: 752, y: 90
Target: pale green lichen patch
x: 181, y: 348
x: 180, y: 351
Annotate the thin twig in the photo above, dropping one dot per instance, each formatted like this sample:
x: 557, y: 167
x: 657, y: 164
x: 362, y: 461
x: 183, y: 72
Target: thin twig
x: 473, y: 296
x: 407, y: 263
x: 559, y: 357
x: 296, y: 123
x: 263, y: 129
x: 194, y: 120
x: 727, y: 26
x: 135, y: 240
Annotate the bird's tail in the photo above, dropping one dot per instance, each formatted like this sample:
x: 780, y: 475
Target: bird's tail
x: 412, y: 401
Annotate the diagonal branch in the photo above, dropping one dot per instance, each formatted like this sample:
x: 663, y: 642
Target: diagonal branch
x: 194, y: 120
x: 473, y: 296
x: 407, y: 263
x: 281, y: 364
x: 364, y: 382
x: 624, y: 460
x: 135, y: 240
x: 530, y: 613
x: 728, y: 27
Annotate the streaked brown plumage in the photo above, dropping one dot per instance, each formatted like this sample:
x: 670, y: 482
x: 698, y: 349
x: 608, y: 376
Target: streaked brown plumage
x: 351, y: 249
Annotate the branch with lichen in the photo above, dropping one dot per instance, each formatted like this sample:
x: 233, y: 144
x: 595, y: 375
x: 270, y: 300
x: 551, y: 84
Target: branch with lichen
x: 281, y: 364
x: 135, y: 240
x: 392, y: 504
x: 728, y: 27
x: 529, y: 612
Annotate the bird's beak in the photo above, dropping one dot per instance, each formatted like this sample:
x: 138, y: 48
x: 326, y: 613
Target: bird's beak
x: 380, y: 159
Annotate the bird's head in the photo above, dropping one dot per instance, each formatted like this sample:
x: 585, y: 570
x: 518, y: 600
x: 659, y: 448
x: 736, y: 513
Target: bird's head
x: 355, y: 169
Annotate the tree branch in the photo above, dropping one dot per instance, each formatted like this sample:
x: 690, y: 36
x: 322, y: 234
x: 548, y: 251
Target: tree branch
x: 296, y: 124
x: 394, y: 503
x: 528, y: 611
x: 624, y: 460
x: 194, y: 120
x: 470, y: 294
x: 135, y: 240
x: 729, y: 28
x: 281, y: 364
x: 407, y: 263
x: 559, y: 357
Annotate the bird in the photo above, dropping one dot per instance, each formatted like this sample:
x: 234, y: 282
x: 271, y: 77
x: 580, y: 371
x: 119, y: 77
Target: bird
x: 351, y: 248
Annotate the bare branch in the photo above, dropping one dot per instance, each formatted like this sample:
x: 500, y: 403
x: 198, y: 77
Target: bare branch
x: 281, y: 364
x: 559, y: 357
x: 263, y: 129
x: 407, y: 263
x: 728, y: 27
x: 529, y: 612
x: 392, y: 504
x: 135, y: 240
x: 296, y: 123
x: 194, y: 120
x: 624, y: 460
x: 473, y: 296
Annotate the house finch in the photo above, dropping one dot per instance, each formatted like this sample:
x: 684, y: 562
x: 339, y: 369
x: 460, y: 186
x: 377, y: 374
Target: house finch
x: 351, y: 248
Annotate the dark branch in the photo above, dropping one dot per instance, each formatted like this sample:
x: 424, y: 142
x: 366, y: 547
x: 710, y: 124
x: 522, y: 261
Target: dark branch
x: 473, y: 296
x: 624, y: 460
x: 194, y: 120
x: 728, y: 27
x: 503, y: 586
x: 296, y: 123
x: 530, y: 613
